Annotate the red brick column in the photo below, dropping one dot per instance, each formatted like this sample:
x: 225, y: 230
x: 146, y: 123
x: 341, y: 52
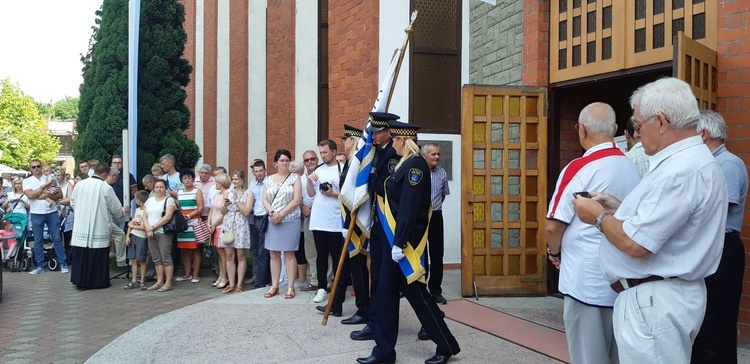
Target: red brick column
x: 353, y: 61
x: 189, y: 54
x: 733, y: 47
x: 535, y: 43
x: 280, y: 35
x: 238, y: 80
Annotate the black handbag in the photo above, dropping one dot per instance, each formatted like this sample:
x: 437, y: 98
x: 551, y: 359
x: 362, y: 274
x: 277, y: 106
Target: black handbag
x: 177, y: 223
x: 263, y: 224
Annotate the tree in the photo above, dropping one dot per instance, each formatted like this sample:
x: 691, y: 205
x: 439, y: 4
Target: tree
x: 162, y: 76
x: 64, y: 109
x: 23, y: 133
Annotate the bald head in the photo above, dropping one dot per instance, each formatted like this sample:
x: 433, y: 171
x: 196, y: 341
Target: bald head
x: 599, y: 118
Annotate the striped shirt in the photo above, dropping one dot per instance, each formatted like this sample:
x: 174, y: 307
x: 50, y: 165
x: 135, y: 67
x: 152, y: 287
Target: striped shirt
x: 440, y: 187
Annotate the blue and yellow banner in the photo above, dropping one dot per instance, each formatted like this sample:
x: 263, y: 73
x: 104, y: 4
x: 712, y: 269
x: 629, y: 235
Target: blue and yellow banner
x: 413, y: 264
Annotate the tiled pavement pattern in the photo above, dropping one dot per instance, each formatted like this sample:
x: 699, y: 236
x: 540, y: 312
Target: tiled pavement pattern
x: 45, y: 319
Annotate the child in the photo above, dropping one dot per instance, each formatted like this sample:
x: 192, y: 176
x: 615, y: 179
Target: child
x: 137, y: 241
x: 7, y: 231
x: 53, y: 188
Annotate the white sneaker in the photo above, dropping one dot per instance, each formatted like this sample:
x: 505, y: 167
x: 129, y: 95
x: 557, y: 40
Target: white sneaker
x: 64, y: 269
x: 37, y: 270
x: 320, y: 296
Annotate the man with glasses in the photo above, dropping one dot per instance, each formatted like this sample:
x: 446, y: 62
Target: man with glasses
x: 635, y: 152
x: 663, y: 239
x: 119, y: 243
x: 42, y: 214
x: 310, y: 160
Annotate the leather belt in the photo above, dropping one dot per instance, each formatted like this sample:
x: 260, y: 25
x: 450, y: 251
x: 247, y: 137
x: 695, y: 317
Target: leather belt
x: 618, y: 286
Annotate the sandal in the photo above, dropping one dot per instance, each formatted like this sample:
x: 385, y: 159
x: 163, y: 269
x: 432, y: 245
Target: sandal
x: 165, y: 288
x: 289, y: 293
x: 142, y: 285
x: 272, y: 292
x: 228, y: 289
x: 154, y: 287
x: 221, y: 285
x: 130, y: 285
x: 238, y: 289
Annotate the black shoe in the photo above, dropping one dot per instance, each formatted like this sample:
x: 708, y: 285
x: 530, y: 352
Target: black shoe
x: 354, y: 320
x: 440, y: 299
x: 365, y: 334
x: 422, y: 335
x: 333, y: 313
x: 438, y: 359
x: 373, y: 360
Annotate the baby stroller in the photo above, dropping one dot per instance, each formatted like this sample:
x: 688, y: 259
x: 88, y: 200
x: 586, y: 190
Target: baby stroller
x: 17, y: 259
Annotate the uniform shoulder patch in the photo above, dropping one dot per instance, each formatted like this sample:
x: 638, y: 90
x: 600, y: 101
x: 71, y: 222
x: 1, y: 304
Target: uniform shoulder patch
x: 392, y: 165
x: 415, y: 176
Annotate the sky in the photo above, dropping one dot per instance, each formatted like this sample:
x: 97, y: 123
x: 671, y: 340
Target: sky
x: 41, y: 45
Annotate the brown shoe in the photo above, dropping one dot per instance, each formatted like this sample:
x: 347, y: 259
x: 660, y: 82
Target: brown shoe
x: 309, y: 288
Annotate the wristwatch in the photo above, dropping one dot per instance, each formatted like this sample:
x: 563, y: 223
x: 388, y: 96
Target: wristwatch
x: 549, y: 252
x: 599, y: 220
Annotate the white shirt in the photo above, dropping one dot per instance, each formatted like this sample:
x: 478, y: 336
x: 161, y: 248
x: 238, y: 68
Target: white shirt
x: 638, y: 155
x: 326, y: 211
x: 307, y: 200
x: 19, y: 207
x: 603, y: 168
x: 677, y: 212
x: 38, y: 206
x: 154, y: 210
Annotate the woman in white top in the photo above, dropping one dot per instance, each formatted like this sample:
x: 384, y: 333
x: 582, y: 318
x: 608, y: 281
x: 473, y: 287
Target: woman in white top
x: 159, y: 243
x: 17, y: 200
x: 282, y: 195
x: 219, y: 204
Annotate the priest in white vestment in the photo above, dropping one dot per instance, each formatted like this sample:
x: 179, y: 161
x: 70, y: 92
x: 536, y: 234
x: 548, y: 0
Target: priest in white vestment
x: 95, y: 204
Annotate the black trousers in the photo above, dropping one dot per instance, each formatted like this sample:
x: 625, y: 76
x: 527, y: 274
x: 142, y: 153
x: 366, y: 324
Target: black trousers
x: 378, y: 243
x: 327, y: 244
x: 261, y: 257
x: 392, y: 280
x: 435, y: 252
x: 717, y: 339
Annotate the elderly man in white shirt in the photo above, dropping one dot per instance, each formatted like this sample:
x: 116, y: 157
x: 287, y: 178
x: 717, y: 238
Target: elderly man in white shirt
x: 588, y: 298
x: 664, y: 238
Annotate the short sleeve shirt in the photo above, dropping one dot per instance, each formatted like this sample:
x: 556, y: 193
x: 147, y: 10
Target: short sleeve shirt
x: 38, y: 206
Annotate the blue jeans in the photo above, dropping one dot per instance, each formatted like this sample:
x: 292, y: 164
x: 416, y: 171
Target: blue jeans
x: 52, y: 220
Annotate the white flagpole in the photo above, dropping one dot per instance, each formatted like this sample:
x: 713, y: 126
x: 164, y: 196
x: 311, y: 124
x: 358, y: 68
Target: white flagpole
x: 130, y: 160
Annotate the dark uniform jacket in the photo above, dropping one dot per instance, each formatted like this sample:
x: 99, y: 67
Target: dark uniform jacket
x: 385, y: 163
x: 409, y: 197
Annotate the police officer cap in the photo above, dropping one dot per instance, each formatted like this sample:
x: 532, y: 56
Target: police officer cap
x: 350, y: 131
x: 380, y: 120
x: 398, y: 128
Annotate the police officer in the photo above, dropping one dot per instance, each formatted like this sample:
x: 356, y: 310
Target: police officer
x: 406, y: 216
x: 383, y: 165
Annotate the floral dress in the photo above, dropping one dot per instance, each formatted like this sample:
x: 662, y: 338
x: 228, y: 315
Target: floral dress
x: 237, y: 222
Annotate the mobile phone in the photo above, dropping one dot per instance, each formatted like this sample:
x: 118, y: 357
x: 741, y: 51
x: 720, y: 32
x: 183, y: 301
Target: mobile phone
x: 582, y: 194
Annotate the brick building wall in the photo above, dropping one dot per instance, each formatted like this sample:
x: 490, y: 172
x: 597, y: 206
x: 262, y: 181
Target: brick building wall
x: 535, y: 54
x: 496, y: 42
x: 733, y: 48
x: 280, y: 76
x: 210, y: 23
x: 238, y: 79
x: 353, y: 61
x: 189, y: 54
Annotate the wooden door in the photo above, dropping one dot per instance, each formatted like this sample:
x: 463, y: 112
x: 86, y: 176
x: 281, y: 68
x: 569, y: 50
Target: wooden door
x: 504, y: 156
x: 696, y: 64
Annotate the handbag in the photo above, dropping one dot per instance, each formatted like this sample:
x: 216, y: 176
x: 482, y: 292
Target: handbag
x: 263, y: 224
x: 177, y: 223
x: 227, y: 237
x: 202, y: 234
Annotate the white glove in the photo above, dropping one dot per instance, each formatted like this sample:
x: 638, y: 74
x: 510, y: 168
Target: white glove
x: 397, y: 254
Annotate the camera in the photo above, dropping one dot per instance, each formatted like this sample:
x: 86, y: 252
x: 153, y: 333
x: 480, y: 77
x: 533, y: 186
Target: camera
x: 325, y: 186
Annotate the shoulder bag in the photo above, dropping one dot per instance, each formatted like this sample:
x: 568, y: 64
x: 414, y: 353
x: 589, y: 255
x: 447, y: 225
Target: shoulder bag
x: 177, y: 223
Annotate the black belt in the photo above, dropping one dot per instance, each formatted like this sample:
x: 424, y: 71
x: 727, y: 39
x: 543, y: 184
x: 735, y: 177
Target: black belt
x: 632, y: 282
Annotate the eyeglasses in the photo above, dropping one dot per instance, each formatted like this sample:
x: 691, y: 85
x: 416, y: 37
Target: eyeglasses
x: 116, y: 162
x: 307, y: 160
x: 637, y: 127
x: 36, y: 166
